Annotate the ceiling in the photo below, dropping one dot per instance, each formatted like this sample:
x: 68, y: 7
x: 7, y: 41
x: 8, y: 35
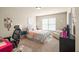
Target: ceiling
x: 34, y: 11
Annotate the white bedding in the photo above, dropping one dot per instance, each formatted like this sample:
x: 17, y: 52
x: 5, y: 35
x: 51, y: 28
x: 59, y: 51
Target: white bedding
x: 56, y: 34
x: 42, y: 35
x: 40, y: 31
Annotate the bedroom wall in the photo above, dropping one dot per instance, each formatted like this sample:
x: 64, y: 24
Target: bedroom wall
x: 61, y: 20
x: 77, y: 29
x: 17, y: 18
x: 21, y: 15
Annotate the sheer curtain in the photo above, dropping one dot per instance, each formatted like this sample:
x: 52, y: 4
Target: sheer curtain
x: 49, y: 24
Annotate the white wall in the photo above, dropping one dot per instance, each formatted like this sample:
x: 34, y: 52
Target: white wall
x: 77, y: 29
x: 16, y: 15
x: 31, y: 22
x: 20, y: 16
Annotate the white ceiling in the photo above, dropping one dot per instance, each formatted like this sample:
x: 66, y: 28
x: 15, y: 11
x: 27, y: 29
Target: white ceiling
x: 34, y: 11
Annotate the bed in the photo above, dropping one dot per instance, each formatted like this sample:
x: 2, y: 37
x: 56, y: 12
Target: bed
x: 56, y: 34
x: 41, y: 35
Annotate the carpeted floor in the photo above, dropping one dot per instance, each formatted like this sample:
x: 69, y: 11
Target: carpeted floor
x: 27, y: 45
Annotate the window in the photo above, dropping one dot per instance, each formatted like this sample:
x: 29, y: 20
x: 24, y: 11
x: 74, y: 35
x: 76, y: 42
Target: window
x: 49, y: 24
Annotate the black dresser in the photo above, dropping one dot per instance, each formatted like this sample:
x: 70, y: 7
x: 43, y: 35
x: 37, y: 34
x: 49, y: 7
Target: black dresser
x: 67, y: 45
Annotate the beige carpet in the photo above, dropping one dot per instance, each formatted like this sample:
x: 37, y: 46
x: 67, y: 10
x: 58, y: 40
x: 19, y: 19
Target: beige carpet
x: 27, y: 45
